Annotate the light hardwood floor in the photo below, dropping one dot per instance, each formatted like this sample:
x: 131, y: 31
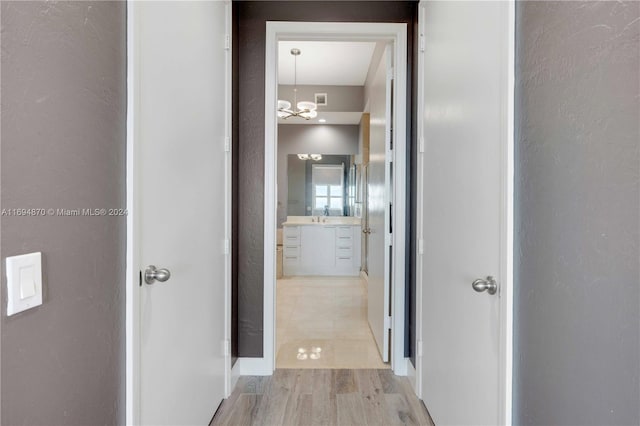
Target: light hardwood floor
x: 310, y: 397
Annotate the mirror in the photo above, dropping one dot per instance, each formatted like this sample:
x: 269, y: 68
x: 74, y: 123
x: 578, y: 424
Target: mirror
x: 321, y: 185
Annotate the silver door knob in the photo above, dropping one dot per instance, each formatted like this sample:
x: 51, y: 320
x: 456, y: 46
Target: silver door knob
x: 488, y: 284
x: 153, y: 274
x: 366, y: 231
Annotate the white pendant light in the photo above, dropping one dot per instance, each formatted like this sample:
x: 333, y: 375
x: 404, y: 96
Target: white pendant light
x: 304, y: 109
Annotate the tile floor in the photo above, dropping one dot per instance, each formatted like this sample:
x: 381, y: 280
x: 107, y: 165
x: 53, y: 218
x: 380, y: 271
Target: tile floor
x: 322, y: 323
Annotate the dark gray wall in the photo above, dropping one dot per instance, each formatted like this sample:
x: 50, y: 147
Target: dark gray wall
x: 249, y: 49
x: 63, y: 146
x: 577, y: 349
x: 309, y: 139
x: 339, y: 98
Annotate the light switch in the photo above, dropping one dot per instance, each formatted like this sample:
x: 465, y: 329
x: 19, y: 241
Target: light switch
x: 24, y: 282
x: 27, y: 282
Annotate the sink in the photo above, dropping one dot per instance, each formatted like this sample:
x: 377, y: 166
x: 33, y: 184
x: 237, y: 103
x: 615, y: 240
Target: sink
x: 324, y: 220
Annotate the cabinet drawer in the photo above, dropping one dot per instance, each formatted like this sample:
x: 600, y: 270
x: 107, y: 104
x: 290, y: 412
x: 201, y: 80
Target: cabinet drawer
x: 343, y: 242
x: 344, y: 231
x: 290, y: 259
x: 291, y: 231
x: 291, y: 240
x: 344, y: 252
x: 292, y: 251
x: 344, y: 261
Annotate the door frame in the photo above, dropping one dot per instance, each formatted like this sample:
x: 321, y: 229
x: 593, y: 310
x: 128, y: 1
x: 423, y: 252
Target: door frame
x: 132, y: 290
x: 505, y: 397
x: 325, y: 31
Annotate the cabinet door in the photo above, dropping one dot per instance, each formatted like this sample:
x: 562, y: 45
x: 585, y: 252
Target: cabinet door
x: 318, y: 246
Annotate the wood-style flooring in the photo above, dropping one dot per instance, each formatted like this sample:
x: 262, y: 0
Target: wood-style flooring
x: 310, y: 397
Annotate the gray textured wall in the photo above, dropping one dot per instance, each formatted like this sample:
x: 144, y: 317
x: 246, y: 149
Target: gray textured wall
x: 577, y: 349
x: 249, y: 49
x: 63, y: 146
x: 310, y: 139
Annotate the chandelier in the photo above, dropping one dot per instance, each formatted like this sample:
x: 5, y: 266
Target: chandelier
x: 314, y: 157
x: 304, y: 109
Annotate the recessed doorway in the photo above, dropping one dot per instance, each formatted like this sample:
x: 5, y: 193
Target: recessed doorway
x: 383, y: 295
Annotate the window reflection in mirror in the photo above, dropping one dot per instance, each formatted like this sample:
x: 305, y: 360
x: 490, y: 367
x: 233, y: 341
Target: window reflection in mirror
x: 324, y: 187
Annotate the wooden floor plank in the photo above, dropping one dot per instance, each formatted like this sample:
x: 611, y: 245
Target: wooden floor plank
x: 307, y: 397
x: 302, y: 416
x: 275, y: 397
x: 389, y: 381
x: 244, y: 411
x: 350, y: 410
x: 323, y: 399
x: 400, y: 413
x: 253, y: 384
x: 417, y: 406
x: 299, y: 396
x: 372, y: 397
x: 345, y: 381
x: 226, y: 407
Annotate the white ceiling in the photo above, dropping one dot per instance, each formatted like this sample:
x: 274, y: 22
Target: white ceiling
x: 337, y: 63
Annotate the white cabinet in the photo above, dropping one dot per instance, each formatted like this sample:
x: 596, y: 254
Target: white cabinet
x: 321, y: 249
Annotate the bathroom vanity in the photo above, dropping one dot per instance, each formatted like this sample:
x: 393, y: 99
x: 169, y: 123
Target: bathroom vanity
x: 321, y: 246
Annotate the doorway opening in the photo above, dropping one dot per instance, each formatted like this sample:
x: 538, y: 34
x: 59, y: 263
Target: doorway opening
x: 328, y: 302
x: 323, y: 318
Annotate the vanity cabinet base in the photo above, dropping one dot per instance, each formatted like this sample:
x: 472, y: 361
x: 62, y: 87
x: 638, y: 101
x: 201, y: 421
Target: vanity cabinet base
x: 321, y: 250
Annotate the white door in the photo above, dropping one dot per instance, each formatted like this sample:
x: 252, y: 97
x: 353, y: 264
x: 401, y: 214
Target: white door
x: 378, y: 205
x: 180, y: 126
x: 465, y: 130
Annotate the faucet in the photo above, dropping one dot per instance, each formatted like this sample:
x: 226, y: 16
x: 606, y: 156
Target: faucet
x: 326, y: 210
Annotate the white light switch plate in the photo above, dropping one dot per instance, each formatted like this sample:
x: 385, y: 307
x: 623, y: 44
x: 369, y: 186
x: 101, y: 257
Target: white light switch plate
x: 24, y: 282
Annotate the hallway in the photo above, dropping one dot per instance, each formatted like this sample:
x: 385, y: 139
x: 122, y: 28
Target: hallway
x: 323, y: 397
x: 322, y: 323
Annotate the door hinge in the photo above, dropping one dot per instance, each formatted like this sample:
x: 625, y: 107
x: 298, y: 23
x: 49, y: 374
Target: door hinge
x: 422, y: 43
x: 387, y: 323
x: 227, y: 144
x: 227, y: 42
x: 227, y: 247
x: 420, y: 246
x: 421, y: 146
x: 419, y: 348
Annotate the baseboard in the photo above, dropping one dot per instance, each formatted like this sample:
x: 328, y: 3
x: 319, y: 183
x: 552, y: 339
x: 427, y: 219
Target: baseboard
x: 400, y: 367
x: 412, y: 376
x: 254, y: 367
x: 235, y: 375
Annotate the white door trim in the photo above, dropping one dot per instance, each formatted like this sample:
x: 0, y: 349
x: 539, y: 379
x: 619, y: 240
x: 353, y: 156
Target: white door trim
x: 132, y: 292
x: 397, y: 33
x: 507, y: 220
x: 132, y: 326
